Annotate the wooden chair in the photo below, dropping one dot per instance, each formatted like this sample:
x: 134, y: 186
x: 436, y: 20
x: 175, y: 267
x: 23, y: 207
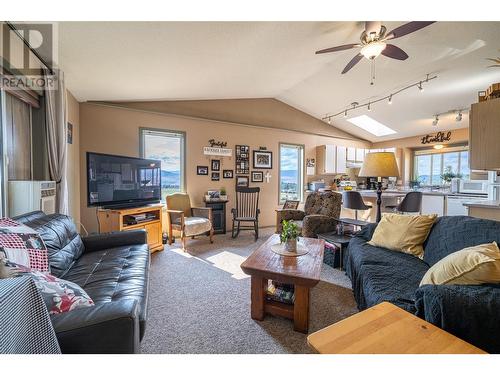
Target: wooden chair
x: 189, y: 221
x: 246, y: 210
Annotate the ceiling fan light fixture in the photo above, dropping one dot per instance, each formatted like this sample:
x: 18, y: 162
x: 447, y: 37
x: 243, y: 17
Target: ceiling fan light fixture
x: 372, y: 50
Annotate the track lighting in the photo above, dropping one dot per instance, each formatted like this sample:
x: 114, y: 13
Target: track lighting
x: 436, y: 120
x: 459, y: 117
x: 368, y: 105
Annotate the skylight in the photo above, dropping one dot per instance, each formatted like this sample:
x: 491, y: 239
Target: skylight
x: 370, y: 125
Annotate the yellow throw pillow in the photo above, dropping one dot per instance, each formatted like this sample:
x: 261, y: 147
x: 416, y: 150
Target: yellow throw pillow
x: 470, y: 266
x: 404, y: 233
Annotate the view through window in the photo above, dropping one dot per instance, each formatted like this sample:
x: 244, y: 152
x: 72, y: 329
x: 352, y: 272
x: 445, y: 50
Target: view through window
x: 291, y: 169
x: 430, y: 167
x: 168, y: 147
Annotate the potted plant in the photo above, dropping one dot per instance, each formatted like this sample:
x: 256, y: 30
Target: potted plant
x: 448, y: 175
x: 223, y: 193
x: 290, y: 235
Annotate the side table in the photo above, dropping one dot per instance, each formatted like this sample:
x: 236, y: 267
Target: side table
x: 218, y: 215
x: 337, y: 239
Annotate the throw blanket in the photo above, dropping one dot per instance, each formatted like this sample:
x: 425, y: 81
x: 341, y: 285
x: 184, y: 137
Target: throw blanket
x: 25, y: 326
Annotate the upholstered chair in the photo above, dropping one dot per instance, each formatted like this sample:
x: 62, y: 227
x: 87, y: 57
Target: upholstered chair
x: 320, y: 214
x: 189, y: 221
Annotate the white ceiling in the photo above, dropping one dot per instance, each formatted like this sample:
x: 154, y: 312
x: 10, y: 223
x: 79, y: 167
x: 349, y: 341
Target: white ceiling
x: 220, y: 60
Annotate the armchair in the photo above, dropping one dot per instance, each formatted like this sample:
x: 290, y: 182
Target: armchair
x: 189, y: 221
x: 320, y: 214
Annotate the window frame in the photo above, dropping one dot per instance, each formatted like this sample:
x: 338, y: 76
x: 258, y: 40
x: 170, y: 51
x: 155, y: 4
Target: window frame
x: 433, y: 153
x: 301, y: 163
x: 182, y: 134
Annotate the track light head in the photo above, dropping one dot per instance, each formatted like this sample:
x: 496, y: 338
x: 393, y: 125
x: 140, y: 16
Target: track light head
x: 369, y: 107
x: 345, y: 113
x: 436, y: 120
x: 420, y: 87
x: 459, y: 117
x: 390, y: 99
x: 329, y: 121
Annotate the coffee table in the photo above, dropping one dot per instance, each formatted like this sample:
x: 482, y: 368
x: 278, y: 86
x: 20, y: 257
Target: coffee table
x: 387, y: 329
x: 302, y: 271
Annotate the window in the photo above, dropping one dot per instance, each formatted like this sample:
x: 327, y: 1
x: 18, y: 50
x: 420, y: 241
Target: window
x: 430, y: 167
x: 167, y: 146
x: 291, y: 172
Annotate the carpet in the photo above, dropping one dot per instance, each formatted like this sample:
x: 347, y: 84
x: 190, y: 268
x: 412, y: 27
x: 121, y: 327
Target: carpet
x: 199, y: 301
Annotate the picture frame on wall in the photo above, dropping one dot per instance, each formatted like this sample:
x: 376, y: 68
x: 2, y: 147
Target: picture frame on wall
x: 202, y: 170
x: 227, y: 173
x: 257, y: 176
x: 215, y: 165
x: 242, y: 181
x: 262, y: 159
x: 215, y: 176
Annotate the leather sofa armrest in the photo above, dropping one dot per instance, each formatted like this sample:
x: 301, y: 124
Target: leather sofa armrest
x: 106, y: 328
x: 114, y: 239
x: 315, y: 224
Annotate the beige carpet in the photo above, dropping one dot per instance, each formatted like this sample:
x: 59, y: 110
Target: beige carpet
x: 199, y: 302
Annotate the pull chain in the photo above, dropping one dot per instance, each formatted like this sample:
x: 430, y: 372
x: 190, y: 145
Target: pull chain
x: 372, y: 72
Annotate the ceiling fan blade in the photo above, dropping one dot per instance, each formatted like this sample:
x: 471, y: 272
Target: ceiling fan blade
x: 394, y: 52
x: 338, y: 48
x: 408, y: 28
x: 353, y: 62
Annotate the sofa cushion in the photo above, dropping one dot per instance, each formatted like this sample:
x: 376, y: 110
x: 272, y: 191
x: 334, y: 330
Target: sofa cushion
x: 453, y: 233
x: 470, y: 266
x: 63, y: 242
x: 114, y: 274
x: 379, y: 274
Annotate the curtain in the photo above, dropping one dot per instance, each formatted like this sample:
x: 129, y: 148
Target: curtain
x: 56, y: 122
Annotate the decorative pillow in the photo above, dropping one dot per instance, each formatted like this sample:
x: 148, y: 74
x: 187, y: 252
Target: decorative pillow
x: 470, y: 266
x: 60, y: 295
x: 22, y: 245
x: 404, y: 233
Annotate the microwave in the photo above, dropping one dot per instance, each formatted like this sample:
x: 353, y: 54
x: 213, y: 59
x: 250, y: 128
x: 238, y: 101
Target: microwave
x: 473, y: 187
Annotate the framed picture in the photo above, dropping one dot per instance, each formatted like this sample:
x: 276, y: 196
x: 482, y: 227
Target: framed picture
x: 215, y: 176
x: 215, y: 165
x: 202, y: 170
x: 291, y: 205
x: 227, y: 173
x: 70, y: 133
x: 262, y: 159
x: 257, y: 176
x: 242, y: 181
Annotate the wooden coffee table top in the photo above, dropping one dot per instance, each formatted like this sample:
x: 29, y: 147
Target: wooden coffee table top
x: 387, y: 329
x: 301, y: 270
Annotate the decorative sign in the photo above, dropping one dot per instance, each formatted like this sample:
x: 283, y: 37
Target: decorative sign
x: 439, y: 137
x: 217, y: 151
x: 213, y: 143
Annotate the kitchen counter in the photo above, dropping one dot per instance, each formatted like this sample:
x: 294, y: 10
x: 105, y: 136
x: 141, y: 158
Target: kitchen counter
x: 484, y: 204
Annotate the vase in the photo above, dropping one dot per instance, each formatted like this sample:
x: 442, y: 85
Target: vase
x: 291, y: 245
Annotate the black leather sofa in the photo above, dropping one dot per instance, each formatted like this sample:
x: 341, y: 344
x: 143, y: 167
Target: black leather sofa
x: 113, y: 269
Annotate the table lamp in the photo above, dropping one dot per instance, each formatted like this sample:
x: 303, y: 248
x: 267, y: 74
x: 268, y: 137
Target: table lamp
x: 379, y: 164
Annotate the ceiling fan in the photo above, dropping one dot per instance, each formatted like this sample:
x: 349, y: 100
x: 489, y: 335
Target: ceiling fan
x: 374, y: 42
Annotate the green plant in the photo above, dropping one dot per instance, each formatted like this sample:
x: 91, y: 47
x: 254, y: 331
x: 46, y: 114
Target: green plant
x: 290, y: 231
x: 222, y: 191
x: 448, y: 174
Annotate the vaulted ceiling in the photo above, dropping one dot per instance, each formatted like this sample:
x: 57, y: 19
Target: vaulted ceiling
x: 131, y: 61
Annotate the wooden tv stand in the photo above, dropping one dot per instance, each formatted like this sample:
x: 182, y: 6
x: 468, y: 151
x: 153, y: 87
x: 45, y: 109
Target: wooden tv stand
x: 112, y: 220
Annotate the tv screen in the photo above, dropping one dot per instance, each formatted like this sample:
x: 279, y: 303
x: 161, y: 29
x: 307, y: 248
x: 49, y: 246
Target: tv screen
x: 121, y: 180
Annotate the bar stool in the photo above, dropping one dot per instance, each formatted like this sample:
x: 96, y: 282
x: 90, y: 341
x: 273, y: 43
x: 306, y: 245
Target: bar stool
x: 354, y: 201
x: 412, y: 202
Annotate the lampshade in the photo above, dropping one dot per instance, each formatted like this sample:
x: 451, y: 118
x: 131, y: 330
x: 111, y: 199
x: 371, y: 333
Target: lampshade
x: 379, y: 164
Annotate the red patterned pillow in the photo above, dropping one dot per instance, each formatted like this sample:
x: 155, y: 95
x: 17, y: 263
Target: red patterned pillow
x: 60, y: 295
x: 22, y: 245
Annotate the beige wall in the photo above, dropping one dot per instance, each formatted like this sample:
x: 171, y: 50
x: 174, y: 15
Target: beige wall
x: 73, y: 159
x: 116, y: 131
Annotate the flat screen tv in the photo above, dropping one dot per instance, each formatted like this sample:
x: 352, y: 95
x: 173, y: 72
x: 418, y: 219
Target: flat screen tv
x: 122, y: 181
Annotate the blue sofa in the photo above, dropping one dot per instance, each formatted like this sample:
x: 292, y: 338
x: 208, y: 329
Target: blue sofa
x: 470, y: 312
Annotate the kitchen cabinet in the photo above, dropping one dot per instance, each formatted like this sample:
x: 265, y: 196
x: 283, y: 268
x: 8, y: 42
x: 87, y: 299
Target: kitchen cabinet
x: 484, y: 133
x: 326, y: 159
x: 351, y: 154
x: 341, y: 159
x: 433, y: 204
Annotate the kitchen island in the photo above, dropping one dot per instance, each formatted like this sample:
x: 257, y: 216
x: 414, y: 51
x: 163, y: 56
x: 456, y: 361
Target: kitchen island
x: 487, y: 209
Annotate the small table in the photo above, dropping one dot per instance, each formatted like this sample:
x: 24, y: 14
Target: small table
x: 387, y: 329
x: 337, y: 239
x: 302, y: 271
x: 218, y: 215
